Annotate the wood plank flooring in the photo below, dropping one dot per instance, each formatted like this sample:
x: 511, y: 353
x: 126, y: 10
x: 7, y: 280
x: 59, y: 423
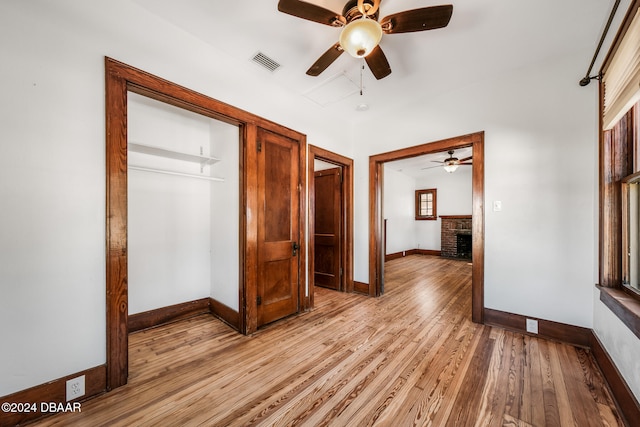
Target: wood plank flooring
x: 409, y: 358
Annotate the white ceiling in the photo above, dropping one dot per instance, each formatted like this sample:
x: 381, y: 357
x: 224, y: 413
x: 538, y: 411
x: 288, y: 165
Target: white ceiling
x: 484, y: 39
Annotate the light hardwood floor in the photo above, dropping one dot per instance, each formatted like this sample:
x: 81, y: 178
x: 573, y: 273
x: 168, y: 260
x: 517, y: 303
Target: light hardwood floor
x: 410, y: 357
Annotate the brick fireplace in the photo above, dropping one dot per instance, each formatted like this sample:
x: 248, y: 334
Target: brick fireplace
x: 455, y: 236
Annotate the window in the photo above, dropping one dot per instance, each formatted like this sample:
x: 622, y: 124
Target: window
x: 620, y: 220
x: 631, y: 212
x: 426, y: 204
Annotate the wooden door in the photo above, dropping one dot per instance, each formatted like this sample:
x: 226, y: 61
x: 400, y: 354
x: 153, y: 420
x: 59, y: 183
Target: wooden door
x: 328, y: 230
x: 278, y: 227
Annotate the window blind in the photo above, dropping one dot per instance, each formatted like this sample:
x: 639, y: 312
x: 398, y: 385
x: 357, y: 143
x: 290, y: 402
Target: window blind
x: 622, y: 77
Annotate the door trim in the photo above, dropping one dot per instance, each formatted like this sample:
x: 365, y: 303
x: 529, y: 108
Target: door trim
x: 376, y: 171
x: 347, y: 220
x: 119, y: 80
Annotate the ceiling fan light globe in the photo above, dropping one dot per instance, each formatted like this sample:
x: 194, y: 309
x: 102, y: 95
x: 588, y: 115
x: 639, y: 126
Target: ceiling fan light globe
x: 451, y: 167
x: 360, y: 36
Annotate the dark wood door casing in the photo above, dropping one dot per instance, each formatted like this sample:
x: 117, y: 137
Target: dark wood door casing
x: 346, y: 242
x: 121, y: 79
x: 376, y: 244
x: 328, y: 228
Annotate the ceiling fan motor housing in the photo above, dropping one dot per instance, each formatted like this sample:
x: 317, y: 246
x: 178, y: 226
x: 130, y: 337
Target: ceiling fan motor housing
x: 351, y: 12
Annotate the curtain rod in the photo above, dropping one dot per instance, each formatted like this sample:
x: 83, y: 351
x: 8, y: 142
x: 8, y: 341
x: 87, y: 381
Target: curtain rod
x: 586, y: 80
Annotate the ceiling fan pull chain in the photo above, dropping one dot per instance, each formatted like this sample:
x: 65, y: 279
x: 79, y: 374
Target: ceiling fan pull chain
x: 361, y: 72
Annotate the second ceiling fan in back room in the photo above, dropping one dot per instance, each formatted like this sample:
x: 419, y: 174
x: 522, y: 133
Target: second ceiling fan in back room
x: 361, y: 30
x: 451, y: 163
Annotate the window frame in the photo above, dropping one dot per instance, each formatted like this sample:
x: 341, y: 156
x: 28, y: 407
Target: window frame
x: 434, y: 203
x: 628, y: 225
x: 619, y: 150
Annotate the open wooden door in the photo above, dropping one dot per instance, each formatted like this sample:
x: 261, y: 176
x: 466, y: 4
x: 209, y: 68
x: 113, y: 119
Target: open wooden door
x: 278, y: 227
x: 328, y: 229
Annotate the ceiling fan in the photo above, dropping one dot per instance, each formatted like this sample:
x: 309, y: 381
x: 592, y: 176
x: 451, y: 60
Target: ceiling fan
x: 451, y: 163
x: 361, y: 31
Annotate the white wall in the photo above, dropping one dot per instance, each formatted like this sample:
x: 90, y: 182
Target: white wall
x: 320, y: 165
x: 399, y: 199
x: 225, y: 215
x: 168, y: 234
x: 52, y: 180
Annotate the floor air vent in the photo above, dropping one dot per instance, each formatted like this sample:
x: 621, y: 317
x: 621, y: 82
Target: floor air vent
x: 265, y: 62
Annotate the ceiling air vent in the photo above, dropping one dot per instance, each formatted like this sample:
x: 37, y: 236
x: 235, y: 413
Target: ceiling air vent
x: 265, y: 62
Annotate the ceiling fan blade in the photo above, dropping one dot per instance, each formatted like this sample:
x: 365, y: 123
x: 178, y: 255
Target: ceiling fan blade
x: 465, y: 159
x: 377, y: 62
x: 311, y: 12
x: 325, y: 60
x: 426, y: 18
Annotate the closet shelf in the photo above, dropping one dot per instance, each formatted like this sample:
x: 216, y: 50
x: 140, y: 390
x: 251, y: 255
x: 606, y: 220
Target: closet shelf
x: 162, y: 152
x: 175, y: 155
x: 168, y: 172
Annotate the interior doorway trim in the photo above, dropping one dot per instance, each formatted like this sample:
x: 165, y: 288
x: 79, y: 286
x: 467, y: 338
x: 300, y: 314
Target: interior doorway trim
x: 121, y: 79
x: 347, y: 220
x: 376, y: 220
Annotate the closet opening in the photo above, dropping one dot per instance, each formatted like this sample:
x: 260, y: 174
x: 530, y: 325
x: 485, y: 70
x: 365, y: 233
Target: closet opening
x: 169, y: 152
x: 183, y: 193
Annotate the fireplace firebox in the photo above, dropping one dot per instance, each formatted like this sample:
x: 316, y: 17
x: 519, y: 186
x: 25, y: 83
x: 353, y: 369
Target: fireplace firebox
x: 456, y: 236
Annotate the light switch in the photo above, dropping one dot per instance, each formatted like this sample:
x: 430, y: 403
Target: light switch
x: 497, y: 205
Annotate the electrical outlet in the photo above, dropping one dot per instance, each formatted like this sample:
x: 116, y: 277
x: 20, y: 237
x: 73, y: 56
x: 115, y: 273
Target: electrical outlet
x: 532, y: 326
x: 75, y: 388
